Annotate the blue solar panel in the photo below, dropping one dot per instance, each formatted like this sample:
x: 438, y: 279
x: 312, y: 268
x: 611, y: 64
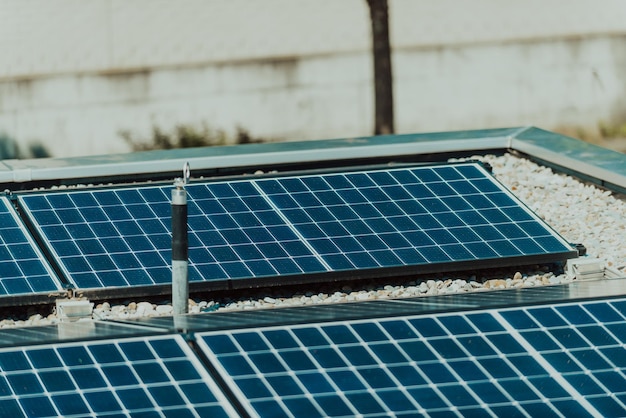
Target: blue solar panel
x: 561, y: 360
x: 429, y: 217
x: 157, y: 376
x: 22, y: 269
x: 122, y: 237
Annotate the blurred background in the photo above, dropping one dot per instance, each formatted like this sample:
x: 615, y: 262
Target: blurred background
x: 111, y: 76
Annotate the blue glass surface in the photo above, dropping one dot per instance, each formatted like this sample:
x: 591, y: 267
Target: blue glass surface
x: 22, y: 269
x: 64, y: 380
x: 568, y: 338
x: 540, y: 340
x: 294, y: 225
x: 237, y: 366
x: 590, y: 359
x: 468, y: 370
x: 481, y: 363
x: 597, y: 336
x: 520, y: 319
x: 613, y: 311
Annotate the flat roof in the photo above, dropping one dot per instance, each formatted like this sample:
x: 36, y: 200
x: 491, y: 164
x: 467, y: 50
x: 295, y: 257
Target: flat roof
x: 572, y: 156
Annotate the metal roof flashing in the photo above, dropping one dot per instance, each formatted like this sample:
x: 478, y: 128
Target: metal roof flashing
x: 572, y: 156
x: 590, y: 162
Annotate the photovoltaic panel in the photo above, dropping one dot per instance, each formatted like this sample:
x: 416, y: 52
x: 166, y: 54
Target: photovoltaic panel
x: 22, y: 269
x: 151, y: 377
x: 118, y: 238
x: 549, y: 361
x: 449, y: 302
x: 419, y: 219
x: 438, y: 215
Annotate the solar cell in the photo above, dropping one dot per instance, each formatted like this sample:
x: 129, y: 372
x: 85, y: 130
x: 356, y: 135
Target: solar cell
x: 411, y: 219
x: 490, y: 362
x: 155, y: 376
x: 22, y: 269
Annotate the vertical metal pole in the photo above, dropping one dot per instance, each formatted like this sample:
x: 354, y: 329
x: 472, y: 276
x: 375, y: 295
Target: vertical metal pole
x: 180, y: 281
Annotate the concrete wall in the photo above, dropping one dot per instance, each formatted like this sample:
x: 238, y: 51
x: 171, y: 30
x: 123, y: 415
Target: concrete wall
x: 74, y: 73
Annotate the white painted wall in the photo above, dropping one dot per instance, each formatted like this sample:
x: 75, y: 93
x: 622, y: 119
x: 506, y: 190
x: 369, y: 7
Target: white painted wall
x: 73, y: 73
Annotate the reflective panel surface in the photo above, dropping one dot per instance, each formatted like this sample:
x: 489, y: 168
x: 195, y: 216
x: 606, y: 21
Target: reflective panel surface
x: 156, y: 376
x: 430, y: 218
x: 558, y: 360
x: 22, y: 267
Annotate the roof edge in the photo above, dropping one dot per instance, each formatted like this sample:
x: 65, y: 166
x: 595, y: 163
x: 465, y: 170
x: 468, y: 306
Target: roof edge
x: 563, y: 153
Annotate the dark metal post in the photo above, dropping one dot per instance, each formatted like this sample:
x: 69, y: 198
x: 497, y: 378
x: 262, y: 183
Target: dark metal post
x: 383, y: 79
x: 180, y: 280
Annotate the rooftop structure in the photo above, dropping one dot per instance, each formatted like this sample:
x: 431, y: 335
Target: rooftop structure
x: 549, y: 350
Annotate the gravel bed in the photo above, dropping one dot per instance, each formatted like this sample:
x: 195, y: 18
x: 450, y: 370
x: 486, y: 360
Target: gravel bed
x: 580, y: 212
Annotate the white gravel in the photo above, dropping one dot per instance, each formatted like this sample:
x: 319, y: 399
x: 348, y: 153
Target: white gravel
x: 580, y: 212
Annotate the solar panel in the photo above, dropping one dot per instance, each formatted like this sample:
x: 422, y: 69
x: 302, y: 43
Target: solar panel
x: 158, y: 376
x: 449, y: 302
x: 560, y: 360
x: 118, y: 238
x: 419, y: 219
x: 66, y: 331
x: 22, y: 270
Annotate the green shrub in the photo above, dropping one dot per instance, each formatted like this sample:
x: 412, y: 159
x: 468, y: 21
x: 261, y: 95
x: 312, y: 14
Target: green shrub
x: 186, y: 136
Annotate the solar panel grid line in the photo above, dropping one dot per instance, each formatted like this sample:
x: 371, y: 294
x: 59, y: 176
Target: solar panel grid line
x: 199, y: 248
x: 96, y: 230
x: 585, y: 353
x: 138, y: 377
x: 346, y: 402
x: 133, y: 211
x: 333, y: 202
x: 387, y: 210
x: 593, y: 344
x: 155, y: 375
x: 362, y: 222
x: 360, y: 370
x: 254, y: 371
x: 451, y: 338
x: 341, y: 202
x: 616, y: 317
x: 446, y: 360
x: 438, y: 194
x: 575, y: 333
x: 270, y: 240
x: 396, y: 218
x: 80, y: 245
x: 73, y: 379
x: 88, y: 232
x: 262, y: 376
x: 201, y: 245
x: 295, y: 230
x: 405, y: 358
x: 383, y: 365
x: 464, y: 362
x: 374, y: 201
x: 299, y: 378
x: 506, y: 201
x: 327, y: 379
x: 499, y: 207
x: 23, y: 270
x: 434, y: 212
x: 316, y: 215
x: 563, y: 383
x: 355, y: 372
